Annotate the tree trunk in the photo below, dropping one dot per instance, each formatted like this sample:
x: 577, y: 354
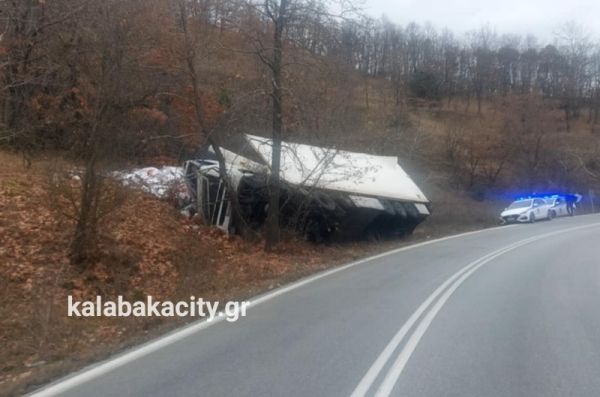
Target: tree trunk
x: 567, y: 118
x: 84, y: 243
x: 190, y: 55
x: 367, y: 92
x: 272, y: 235
x: 596, y: 109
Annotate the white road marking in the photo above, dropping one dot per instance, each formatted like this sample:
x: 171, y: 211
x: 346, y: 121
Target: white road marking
x: 368, y: 379
x: 397, y: 367
x: 457, y: 279
x: 99, y: 369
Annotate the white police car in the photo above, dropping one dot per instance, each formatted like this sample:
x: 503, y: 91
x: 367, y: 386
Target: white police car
x: 558, y: 206
x: 526, y: 210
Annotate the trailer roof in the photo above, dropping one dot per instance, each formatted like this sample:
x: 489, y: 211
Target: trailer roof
x: 340, y: 170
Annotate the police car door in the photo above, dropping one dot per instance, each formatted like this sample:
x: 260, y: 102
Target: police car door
x: 541, y: 210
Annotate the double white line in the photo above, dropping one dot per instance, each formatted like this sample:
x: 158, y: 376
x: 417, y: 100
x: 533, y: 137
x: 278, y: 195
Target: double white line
x: 445, y: 290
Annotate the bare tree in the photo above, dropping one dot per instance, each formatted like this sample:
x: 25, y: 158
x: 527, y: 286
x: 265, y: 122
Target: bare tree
x: 196, y: 39
x: 575, y: 46
x: 282, y: 17
x: 279, y: 14
x: 108, y: 73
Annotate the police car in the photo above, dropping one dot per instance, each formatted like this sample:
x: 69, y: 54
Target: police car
x: 558, y: 206
x: 527, y: 210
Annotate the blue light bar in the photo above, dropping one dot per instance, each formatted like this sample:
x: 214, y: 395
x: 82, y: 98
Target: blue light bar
x: 544, y: 196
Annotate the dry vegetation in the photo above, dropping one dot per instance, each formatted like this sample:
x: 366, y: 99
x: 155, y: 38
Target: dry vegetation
x: 464, y: 131
x: 147, y: 248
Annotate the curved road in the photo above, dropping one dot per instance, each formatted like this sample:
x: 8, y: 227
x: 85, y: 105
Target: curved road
x: 512, y: 311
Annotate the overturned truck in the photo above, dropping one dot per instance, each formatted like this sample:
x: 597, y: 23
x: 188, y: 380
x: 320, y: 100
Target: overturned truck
x: 325, y: 193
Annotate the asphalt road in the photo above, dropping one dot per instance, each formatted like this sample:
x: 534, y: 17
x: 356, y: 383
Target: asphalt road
x: 512, y: 311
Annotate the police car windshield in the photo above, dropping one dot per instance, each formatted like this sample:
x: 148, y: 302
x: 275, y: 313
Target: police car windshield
x: 520, y: 204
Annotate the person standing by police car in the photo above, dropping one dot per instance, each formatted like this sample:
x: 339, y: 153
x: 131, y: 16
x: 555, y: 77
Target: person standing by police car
x: 570, y: 199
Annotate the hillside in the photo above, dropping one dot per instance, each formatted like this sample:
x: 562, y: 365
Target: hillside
x: 148, y: 248
x: 90, y: 88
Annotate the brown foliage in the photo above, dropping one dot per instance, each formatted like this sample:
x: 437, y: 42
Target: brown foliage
x: 147, y: 248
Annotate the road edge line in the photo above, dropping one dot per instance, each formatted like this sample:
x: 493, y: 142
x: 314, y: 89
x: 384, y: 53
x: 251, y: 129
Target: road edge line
x: 110, y: 364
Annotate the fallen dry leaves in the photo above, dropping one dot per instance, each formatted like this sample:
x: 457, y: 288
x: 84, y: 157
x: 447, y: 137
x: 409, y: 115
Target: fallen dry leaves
x: 148, y: 248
